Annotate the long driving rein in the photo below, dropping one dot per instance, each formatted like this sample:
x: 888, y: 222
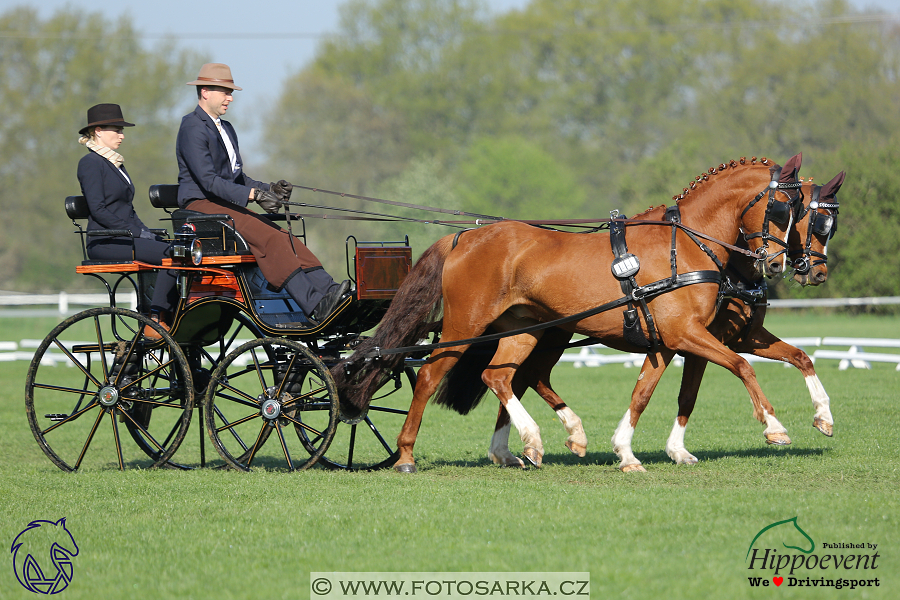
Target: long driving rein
x: 635, y: 293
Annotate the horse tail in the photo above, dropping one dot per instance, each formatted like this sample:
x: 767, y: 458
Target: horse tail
x: 462, y: 388
x: 415, y: 312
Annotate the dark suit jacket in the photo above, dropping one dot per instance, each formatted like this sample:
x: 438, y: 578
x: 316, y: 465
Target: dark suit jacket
x: 109, y: 196
x: 204, y: 170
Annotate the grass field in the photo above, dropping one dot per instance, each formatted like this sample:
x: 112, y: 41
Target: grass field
x: 674, y: 532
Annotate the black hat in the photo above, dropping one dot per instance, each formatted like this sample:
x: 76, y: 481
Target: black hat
x: 106, y: 115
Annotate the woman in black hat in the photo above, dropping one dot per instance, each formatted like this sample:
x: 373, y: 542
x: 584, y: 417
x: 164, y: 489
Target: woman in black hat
x: 109, y: 192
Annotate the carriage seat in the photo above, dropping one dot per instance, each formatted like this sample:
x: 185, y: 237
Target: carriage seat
x: 216, y: 233
x: 77, y: 209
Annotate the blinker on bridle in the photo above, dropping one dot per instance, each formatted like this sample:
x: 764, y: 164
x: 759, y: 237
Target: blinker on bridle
x: 819, y: 225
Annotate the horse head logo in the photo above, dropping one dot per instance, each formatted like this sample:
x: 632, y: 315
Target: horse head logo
x: 786, y: 531
x: 42, y: 556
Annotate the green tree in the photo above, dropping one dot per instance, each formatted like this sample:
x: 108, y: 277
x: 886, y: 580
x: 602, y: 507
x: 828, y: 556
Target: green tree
x: 51, y: 71
x: 516, y: 179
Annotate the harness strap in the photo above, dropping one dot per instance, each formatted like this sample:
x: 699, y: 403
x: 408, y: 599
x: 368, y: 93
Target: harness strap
x: 652, y: 290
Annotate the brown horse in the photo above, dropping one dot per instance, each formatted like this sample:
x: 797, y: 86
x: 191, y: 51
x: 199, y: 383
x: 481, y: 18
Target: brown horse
x: 509, y: 275
x: 738, y: 324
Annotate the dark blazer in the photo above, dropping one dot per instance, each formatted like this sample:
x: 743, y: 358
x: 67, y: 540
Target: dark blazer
x: 109, y: 196
x: 204, y: 170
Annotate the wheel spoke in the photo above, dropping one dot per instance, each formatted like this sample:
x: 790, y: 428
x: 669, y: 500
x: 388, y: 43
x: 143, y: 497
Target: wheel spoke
x: 89, y: 438
x: 238, y: 422
x: 115, y: 426
x: 230, y: 428
x: 77, y: 363
x: 103, y: 365
x: 256, y: 445
x: 287, y: 455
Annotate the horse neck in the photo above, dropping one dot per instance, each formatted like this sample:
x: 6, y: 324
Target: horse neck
x: 715, y: 206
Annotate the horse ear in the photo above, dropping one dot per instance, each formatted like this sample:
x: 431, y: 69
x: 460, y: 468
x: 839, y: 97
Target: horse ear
x: 831, y: 188
x: 791, y: 167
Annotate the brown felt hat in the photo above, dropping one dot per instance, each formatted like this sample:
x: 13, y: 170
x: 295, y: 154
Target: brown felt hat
x: 215, y: 74
x: 105, y: 115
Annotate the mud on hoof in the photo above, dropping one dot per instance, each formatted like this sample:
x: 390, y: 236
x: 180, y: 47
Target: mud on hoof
x: 777, y: 439
x: 533, y: 456
x: 405, y: 468
x: 577, y: 448
x: 823, y: 426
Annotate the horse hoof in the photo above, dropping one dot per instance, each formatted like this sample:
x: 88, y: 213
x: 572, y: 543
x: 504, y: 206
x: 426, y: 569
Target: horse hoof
x: 638, y: 468
x: 690, y: 459
x: 577, y: 449
x: 533, y: 456
x: 777, y: 439
x: 405, y: 468
x: 825, y: 427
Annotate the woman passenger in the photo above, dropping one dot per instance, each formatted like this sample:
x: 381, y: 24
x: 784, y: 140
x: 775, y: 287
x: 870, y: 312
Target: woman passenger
x: 109, y: 192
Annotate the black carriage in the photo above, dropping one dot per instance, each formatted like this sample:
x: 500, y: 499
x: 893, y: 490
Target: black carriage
x: 241, y: 353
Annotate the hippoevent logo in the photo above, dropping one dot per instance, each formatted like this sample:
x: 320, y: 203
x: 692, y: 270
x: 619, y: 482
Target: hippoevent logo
x: 784, y: 554
x: 42, y: 556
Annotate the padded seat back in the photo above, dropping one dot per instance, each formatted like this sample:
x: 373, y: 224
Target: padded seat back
x: 164, y: 195
x: 77, y: 207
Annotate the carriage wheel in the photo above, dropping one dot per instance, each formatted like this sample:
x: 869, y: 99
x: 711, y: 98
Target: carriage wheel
x: 95, y: 373
x: 371, y: 443
x: 259, y: 391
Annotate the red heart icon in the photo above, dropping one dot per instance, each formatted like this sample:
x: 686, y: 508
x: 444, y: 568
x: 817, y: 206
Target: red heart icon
x: 778, y: 580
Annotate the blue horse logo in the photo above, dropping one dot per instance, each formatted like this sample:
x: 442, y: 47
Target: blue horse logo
x: 42, y: 556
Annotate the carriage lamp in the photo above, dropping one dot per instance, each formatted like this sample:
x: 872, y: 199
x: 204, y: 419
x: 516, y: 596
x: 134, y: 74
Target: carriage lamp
x: 186, y: 244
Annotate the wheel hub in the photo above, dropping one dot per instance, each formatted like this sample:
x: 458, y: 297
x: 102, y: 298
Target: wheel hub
x: 270, y: 409
x: 109, y: 396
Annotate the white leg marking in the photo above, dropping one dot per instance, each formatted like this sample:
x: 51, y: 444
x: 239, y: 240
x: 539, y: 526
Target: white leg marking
x: 621, y: 441
x: 675, y: 447
x: 577, y: 441
x: 820, y: 399
x: 773, y: 425
x: 528, y: 429
x: 499, y: 452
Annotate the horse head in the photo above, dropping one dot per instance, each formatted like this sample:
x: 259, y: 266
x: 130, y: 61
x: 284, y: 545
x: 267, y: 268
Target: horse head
x: 768, y: 219
x: 816, y: 223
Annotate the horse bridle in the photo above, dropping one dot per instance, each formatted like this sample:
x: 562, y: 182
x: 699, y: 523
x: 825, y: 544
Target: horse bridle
x: 778, y: 211
x: 820, y: 225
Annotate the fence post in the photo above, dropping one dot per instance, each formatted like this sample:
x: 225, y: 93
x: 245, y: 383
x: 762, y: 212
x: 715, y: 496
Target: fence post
x: 63, y: 303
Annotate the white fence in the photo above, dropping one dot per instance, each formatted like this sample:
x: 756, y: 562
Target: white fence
x: 855, y: 355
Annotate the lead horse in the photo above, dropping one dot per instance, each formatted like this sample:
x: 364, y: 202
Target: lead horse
x: 509, y: 276
x: 738, y: 324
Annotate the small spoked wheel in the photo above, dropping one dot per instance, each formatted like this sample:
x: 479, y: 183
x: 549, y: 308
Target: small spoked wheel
x: 371, y: 443
x: 96, y: 373
x: 259, y: 395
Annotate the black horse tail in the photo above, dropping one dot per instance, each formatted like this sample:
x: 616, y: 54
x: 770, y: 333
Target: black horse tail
x: 462, y: 388
x: 415, y: 312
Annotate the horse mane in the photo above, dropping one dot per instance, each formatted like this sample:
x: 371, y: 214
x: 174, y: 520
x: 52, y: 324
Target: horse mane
x: 704, y: 177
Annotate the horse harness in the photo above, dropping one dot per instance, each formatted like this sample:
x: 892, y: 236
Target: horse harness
x: 624, y: 267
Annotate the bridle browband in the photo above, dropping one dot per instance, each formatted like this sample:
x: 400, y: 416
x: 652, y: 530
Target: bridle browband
x: 820, y: 225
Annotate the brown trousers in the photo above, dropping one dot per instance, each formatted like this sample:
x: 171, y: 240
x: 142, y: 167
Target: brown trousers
x: 270, y: 244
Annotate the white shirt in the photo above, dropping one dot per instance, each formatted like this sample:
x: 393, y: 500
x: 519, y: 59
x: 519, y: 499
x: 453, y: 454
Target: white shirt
x: 232, y: 155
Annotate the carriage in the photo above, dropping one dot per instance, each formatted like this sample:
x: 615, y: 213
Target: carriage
x: 273, y: 400
x: 241, y: 353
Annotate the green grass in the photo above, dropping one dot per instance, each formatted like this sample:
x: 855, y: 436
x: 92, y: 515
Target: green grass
x: 674, y: 532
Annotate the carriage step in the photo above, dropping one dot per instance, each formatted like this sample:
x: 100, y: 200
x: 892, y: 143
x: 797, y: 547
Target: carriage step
x: 56, y: 417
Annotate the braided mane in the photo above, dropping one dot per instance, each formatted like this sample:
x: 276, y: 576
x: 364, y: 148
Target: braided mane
x: 715, y: 171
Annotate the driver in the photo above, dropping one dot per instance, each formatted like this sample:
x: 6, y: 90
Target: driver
x: 212, y: 181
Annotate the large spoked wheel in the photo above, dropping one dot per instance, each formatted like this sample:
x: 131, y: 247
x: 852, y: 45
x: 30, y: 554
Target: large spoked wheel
x: 259, y: 391
x: 93, y: 374
x: 371, y: 443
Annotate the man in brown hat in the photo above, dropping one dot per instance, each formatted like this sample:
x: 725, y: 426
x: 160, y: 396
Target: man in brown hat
x: 212, y: 181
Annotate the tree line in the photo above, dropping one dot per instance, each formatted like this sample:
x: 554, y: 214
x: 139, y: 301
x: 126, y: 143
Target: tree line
x: 567, y: 108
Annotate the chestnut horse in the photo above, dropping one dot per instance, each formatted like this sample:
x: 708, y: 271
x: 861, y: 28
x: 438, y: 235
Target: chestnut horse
x: 738, y: 324
x: 509, y: 276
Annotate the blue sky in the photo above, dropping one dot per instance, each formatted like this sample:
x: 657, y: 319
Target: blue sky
x: 258, y: 65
